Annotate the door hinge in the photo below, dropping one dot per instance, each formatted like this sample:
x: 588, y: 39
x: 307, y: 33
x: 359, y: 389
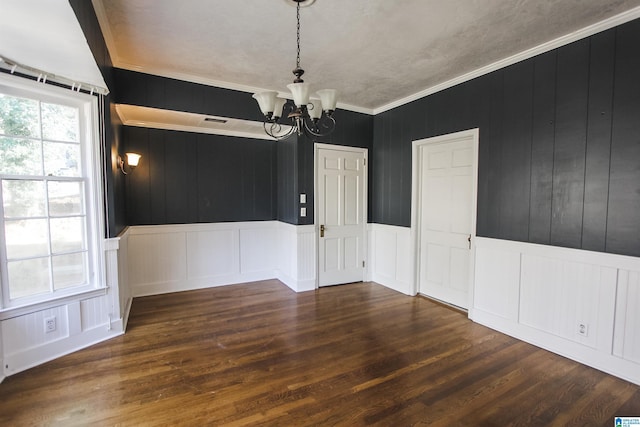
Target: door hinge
x: 362, y: 264
x: 364, y: 162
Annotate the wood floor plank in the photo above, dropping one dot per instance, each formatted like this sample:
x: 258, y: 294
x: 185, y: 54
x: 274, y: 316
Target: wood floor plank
x: 358, y: 354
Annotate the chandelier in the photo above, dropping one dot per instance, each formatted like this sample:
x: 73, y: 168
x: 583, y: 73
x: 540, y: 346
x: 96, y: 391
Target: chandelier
x: 305, y: 116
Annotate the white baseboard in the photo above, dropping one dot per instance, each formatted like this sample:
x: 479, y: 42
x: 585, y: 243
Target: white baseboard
x: 571, y: 350
x: 146, y: 289
x: 28, y: 358
x: 579, y: 304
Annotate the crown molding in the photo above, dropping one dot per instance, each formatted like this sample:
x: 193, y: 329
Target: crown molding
x: 598, y: 27
x: 582, y: 33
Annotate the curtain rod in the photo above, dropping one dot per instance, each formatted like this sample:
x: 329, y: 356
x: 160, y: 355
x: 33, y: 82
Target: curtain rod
x: 43, y: 76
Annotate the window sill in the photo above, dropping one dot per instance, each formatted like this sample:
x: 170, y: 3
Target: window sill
x: 11, y: 312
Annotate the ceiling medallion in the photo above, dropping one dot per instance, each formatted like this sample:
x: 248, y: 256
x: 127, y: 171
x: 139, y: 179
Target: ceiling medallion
x: 308, y: 116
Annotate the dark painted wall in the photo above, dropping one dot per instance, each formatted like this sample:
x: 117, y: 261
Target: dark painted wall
x: 111, y: 128
x: 188, y: 177
x: 559, y: 159
x: 296, y: 163
x: 292, y: 162
x: 161, y: 92
x: 352, y: 130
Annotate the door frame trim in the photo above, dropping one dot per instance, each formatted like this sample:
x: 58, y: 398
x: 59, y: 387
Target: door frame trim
x: 416, y: 164
x: 317, y: 146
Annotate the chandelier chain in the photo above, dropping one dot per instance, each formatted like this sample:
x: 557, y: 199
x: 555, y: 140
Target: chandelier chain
x: 298, y: 33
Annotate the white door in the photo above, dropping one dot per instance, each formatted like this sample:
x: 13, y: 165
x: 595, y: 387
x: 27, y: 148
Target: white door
x: 341, y: 214
x: 446, y: 215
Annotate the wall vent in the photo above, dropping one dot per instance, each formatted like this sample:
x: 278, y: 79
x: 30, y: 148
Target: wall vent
x: 214, y: 120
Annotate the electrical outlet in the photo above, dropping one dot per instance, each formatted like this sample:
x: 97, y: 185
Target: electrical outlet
x: 583, y: 329
x: 50, y: 324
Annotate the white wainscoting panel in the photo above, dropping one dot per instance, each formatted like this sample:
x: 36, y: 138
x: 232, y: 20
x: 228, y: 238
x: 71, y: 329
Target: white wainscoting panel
x: 627, y: 328
x: 211, y: 253
x: 496, y: 272
x: 580, y: 304
x: 95, y: 312
x: 81, y: 321
x: 157, y: 258
x: 558, y: 295
x: 257, y: 249
x: 171, y: 258
x: 391, y: 257
x: 122, y: 306
x: 296, y: 256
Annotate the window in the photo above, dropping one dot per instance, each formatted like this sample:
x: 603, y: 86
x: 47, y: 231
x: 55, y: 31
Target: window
x: 48, y: 193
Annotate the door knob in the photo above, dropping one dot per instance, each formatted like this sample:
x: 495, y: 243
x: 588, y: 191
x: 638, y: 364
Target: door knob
x: 322, y: 230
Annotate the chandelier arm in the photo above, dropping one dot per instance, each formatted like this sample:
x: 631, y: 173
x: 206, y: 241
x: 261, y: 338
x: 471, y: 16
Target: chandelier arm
x: 274, y: 129
x: 315, y: 130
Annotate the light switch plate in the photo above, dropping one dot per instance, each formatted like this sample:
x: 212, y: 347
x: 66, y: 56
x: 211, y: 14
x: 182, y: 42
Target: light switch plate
x: 303, y: 212
x: 303, y: 198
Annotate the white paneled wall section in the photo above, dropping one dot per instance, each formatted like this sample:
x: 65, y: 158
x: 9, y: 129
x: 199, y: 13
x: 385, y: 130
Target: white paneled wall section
x: 171, y: 258
x: 391, y: 257
x: 580, y: 304
x: 80, y: 321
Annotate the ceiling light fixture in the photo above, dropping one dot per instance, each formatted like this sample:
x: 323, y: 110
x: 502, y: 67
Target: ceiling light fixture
x: 305, y: 116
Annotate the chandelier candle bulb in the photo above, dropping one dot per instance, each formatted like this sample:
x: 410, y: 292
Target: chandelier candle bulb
x: 315, y: 109
x: 266, y: 101
x: 277, y: 111
x: 300, y: 92
x: 329, y: 98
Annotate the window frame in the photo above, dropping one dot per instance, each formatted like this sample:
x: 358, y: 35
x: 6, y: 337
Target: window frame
x: 91, y: 176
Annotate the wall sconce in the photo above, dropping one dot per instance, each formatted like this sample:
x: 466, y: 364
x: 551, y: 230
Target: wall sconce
x: 132, y: 161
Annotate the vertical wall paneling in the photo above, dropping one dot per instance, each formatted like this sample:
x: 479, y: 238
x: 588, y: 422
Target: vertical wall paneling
x: 570, y: 144
x: 176, y: 167
x: 491, y: 167
x: 598, y: 151
x: 542, y: 142
x: 257, y: 185
x: 147, y: 90
x: 559, y: 149
x: 157, y: 173
x: 516, y: 151
x: 138, y: 194
x: 623, y: 221
x: 187, y: 178
x: 287, y: 180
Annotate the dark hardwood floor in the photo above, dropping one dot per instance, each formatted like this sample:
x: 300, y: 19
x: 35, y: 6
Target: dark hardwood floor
x: 359, y: 354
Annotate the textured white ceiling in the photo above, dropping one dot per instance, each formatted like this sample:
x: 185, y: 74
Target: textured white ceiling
x: 373, y: 51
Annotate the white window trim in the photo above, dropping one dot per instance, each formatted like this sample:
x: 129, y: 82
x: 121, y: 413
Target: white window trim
x: 89, y: 124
